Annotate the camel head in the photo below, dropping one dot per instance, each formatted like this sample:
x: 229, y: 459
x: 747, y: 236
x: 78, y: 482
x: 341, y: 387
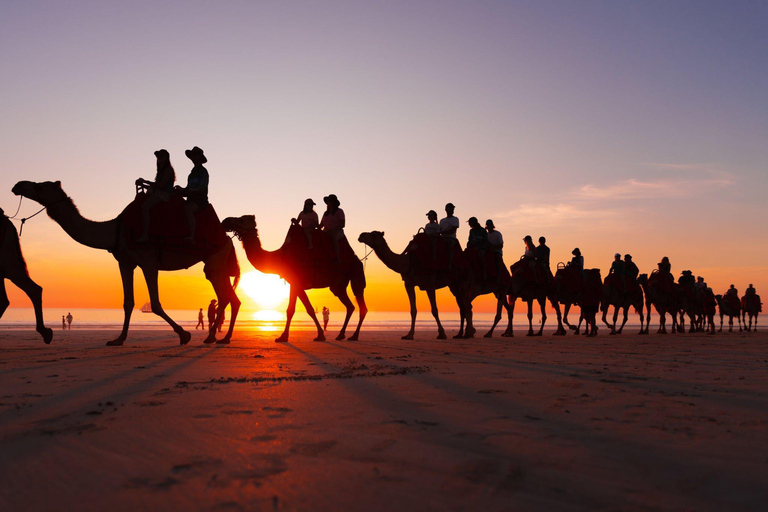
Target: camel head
x: 373, y: 239
x: 46, y: 193
x: 240, y: 225
x: 642, y: 279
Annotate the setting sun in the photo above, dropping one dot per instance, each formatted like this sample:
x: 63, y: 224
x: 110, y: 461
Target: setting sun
x: 267, y: 290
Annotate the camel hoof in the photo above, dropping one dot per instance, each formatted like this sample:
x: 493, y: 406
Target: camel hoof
x: 340, y: 337
x: 573, y: 328
x: 281, y: 339
x: 458, y: 336
x: 352, y: 338
x: 539, y: 334
x: 223, y: 341
x: 209, y: 340
x: 469, y: 334
x: 559, y: 332
x: 115, y: 343
x: 530, y: 333
x: 441, y: 336
x: 319, y: 338
x: 184, y: 337
x: 488, y: 335
x: 47, y: 335
x: 407, y: 337
x: 613, y: 333
x: 576, y: 331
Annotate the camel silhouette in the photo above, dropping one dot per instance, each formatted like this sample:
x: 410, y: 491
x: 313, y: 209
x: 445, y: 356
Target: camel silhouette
x: 112, y: 236
x: 497, y: 285
x: 621, y: 300
x: 522, y: 287
x: 303, y: 270
x: 663, y: 297
x: 730, y: 309
x: 752, y: 306
x: 457, y: 279
x: 14, y: 268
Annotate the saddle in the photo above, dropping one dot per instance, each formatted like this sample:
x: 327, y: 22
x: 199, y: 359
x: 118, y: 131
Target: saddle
x: 420, y: 251
x: 321, y: 255
x: 168, y: 226
x: 537, y: 274
x: 749, y: 300
x: 570, y: 279
x: 732, y: 301
x: 476, y: 263
x: 663, y: 280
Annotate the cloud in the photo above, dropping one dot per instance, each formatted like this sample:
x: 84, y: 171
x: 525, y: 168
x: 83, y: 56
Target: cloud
x: 649, y: 189
x: 553, y: 215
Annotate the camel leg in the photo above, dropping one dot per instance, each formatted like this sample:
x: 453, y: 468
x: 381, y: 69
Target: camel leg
x: 469, y: 331
x: 510, y: 317
x: 730, y: 323
x: 150, y: 276
x: 126, y: 275
x: 738, y: 319
x: 543, y: 305
x: 566, y: 310
x: 530, y: 317
x: 500, y: 300
x: 662, y: 322
x: 35, y: 294
x: 362, y: 312
x: 462, y: 317
x: 302, y: 294
x: 624, y: 320
x: 411, y: 291
x: 344, y: 298
x: 578, y: 327
x: 4, y: 302
x: 721, y: 322
x: 226, y: 297
x: 560, y: 328
x: 289, y: 312
x: 433, y: 304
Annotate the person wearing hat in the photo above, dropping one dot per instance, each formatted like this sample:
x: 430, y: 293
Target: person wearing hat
x: 333, y: 223
x: 448, y: 227
x: 478, y: 240
x: 211, y: 313
x: 700, y: 284
x: 307, y: 219
x: 577, y: 260
x: 158, y: 191
x: 687, y: 279
x: 432, y: 230
x: 630, y: 269
x: 196, y: 190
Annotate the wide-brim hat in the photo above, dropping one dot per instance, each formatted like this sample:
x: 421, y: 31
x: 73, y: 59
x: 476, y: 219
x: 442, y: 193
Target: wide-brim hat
x: 196, y: 152
x: 576, y: 251
x: 331, y: 199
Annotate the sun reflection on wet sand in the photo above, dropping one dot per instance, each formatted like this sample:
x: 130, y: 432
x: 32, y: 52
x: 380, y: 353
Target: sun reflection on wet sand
x: 268, y: 320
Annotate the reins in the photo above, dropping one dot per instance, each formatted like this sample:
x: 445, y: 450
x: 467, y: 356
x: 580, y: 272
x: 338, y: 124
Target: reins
x: 25, y: 219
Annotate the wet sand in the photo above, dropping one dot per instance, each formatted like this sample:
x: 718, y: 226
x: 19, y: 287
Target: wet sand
x: 676, y: 422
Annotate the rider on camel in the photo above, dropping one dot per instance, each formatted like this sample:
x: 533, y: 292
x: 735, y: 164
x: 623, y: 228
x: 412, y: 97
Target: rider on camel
x: 577, y: 260
x: 496, y: 242
x: 630, y: 269
x: 686, y: 279
x: 732, y: 291
x: 529, y: 256
x: 432, y: 230
x: 448, y: 227
x: 333, y: 223
x: 617, y: 268
x: 307, y: 219
x: 700, y: 284
x: 542, y: 257
x: 478, y: 239
x: 196, y: 190
x: 751, y: 290
x: 158, y: 191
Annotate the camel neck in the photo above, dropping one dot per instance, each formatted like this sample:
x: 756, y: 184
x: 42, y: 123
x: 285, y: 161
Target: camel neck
x: 99, y: 235
x: 397, y: 262
x: 262, y: 260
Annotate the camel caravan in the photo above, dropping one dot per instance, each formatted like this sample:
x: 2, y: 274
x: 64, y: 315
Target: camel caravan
x: 169, y: 227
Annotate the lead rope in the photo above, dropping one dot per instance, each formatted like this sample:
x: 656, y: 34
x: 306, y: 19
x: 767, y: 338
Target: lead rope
x: 364, y: 259
x: 25, y: 219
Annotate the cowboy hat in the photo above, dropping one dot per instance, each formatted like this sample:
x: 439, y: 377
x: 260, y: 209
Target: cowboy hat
x: 196, y: 152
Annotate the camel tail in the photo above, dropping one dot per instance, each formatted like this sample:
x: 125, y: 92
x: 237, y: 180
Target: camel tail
x: 358, y: 279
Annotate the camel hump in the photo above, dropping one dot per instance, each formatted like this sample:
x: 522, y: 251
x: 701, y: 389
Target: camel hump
x: 168, y: 225
x: 322, y: 253
x: 430, y: 253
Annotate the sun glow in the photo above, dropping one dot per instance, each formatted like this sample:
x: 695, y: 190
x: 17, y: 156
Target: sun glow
x: 266, y: 290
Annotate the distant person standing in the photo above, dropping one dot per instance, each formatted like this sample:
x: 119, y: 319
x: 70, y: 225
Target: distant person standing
x: 326, y: 317
x: 448, y: 227
x: 69, y: 320
x: 200, y: 322
x: 63, y: 322
x: 211, y: 313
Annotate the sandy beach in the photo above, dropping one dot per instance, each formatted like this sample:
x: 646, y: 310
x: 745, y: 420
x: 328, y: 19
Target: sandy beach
x: 554, y: 423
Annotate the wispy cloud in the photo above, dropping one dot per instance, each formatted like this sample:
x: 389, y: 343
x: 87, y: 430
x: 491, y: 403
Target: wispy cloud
x: 656, y: 188
x: 552, y: 215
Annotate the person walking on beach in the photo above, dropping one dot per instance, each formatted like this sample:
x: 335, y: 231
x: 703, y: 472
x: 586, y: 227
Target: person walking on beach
x: 326, y: 317
x: 200, y: 322
x: 63, y: 322
x: 211, y: 313
x: 69, y: 320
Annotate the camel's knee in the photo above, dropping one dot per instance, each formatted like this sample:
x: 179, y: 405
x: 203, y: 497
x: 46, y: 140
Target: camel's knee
x: 157, y: 308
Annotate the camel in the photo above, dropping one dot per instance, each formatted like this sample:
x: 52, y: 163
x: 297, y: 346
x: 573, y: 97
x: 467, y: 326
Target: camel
x: 621, y: 299
x: 752, y: 306
x: 708, y: 310
x: 479, y: 286
x: 287, y: 263
x: 529, y: 291
x: 111, y: 236
x: 590, y: 301
x: 570, y: 290
x: 730, y: 310
x: 662, y: 299
x: 457, y: 280
x: 14, y: 268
